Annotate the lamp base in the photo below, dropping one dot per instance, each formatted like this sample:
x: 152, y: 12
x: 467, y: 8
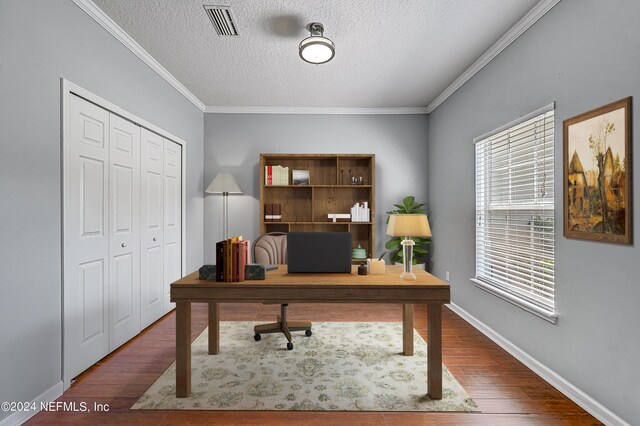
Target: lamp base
x: 407, y: 259
x: 408, y: 276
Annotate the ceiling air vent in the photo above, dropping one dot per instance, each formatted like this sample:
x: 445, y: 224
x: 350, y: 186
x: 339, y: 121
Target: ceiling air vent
x: 222, y: 20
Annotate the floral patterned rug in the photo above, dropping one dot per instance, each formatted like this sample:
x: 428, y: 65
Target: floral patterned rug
x: 341, y: 367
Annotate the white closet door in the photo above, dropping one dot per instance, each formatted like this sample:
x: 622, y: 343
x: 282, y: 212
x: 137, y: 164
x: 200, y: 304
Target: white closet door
x: 86, y: 236
x: 152, y: 271
x: 124, y: 225
x: 172, y: 219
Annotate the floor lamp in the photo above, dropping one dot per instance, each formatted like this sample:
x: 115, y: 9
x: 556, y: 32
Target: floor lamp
x: 225, y: 184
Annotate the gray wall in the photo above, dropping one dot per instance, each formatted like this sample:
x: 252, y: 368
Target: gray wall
x: 40, y: 42
x: 233, y: 143
x: 582, y: 54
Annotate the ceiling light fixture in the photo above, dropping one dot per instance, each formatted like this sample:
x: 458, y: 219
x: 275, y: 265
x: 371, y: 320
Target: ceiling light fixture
x: 317, y: 49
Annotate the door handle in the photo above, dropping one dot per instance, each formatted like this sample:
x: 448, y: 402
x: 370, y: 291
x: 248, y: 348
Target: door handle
x: 155, y: 239
x: 123, y: 244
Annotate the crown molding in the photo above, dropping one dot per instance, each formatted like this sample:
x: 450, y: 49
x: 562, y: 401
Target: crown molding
x: 101, y: 18
x: 313, y: 110
x: 537, y: 12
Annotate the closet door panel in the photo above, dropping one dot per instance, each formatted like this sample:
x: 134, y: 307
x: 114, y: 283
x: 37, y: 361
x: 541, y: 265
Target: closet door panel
x: 124, y: 238
x: 86, y: 250
x: 172, y: 219
x: 152, y: 285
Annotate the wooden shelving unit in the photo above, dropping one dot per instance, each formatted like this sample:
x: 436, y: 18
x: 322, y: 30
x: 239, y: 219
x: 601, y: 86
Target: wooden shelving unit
x: 304, y: 208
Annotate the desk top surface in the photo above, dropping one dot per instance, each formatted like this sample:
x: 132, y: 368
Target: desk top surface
x: 281, y: 277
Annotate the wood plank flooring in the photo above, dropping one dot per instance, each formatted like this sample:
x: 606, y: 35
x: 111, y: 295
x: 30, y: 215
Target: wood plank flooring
x: 506, y: 391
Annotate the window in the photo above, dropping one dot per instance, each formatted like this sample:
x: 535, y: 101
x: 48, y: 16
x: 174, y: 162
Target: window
x: 514, y: 212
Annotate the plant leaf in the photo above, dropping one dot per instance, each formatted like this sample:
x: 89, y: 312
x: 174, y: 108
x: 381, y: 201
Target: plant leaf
x: 392, y: 244
x: 408, y: 202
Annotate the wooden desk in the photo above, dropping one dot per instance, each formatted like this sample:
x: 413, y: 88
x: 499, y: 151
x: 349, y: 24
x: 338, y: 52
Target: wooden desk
x: 281, y: 286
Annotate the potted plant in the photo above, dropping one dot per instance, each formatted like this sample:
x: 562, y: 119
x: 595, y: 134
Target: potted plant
x: 420, y: 251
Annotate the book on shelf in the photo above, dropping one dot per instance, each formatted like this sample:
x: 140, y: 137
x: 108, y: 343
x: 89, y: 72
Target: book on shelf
x: 361, y: 212
x: 272, y: 213
x: 276, y: 175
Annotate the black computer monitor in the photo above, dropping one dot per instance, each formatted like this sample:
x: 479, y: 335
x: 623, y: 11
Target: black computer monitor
x: 319, y: 252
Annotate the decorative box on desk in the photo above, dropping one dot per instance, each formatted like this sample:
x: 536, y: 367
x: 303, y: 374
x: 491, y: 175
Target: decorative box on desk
x: 253, y: 271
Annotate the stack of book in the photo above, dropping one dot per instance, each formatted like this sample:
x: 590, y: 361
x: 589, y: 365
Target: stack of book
x: 361, y: 212
x: 272, y: 213
x: 276, y: 175
x: 232, y: 256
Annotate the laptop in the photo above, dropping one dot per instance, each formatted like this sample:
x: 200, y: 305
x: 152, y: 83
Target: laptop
x: 319, y: 252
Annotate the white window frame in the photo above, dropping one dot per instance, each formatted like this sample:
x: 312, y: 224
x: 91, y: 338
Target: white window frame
x: 508, y: 290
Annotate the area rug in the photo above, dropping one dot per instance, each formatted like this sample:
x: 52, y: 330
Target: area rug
x: 341, y: 367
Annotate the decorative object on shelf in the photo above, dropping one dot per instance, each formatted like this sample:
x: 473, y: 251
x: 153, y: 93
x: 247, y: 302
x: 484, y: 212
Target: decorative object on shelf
x: 359, y: 253
x: 408, y: 225
x: 597, y: 174
x: 301, y: 177
x: 408, y: 206
x: 341, y: 177
x: 339, y: 217
x: 225, y: 184
x: 316, y: 49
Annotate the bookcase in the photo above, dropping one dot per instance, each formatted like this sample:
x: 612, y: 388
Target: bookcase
x: 304, y: 208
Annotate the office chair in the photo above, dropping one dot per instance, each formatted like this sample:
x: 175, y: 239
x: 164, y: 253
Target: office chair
x: 271, y: 248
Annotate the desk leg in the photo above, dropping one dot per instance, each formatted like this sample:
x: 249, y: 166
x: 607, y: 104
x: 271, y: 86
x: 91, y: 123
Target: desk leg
x: 407, y: 329
x: 434, y: 350
x: 214, y: 329
x: 183, y: 349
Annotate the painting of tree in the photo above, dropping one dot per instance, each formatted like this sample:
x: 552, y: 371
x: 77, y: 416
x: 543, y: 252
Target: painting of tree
x: 597, y: 174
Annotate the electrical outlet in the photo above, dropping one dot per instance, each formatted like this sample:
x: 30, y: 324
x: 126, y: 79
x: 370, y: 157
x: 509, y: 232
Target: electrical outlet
x: 446, y: 276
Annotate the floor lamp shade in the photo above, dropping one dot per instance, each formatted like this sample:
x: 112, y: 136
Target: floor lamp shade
x: 225, y: 184
x: 408, y: 225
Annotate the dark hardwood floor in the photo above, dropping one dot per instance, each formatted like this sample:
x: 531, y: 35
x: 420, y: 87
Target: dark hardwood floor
x: 506, y: 391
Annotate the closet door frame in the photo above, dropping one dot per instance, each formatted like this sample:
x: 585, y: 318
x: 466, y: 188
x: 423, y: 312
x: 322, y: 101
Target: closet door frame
x: 69, y: 89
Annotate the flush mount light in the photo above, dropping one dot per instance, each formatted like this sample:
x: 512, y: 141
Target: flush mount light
x: 317, y: 49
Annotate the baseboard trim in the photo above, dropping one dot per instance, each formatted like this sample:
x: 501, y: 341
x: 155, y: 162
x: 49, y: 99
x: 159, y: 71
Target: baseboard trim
x: 20, y: 417
x: 578, y: 396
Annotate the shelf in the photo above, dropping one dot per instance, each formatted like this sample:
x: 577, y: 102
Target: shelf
x: 304, y: 208
x: 319, y: 223
x: 316, y: 186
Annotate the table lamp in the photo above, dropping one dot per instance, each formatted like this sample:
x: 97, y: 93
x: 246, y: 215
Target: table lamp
x: 225, y: 184
x: 408, y: 225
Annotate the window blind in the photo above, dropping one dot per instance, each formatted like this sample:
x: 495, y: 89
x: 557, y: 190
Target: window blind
x: 515, y: 209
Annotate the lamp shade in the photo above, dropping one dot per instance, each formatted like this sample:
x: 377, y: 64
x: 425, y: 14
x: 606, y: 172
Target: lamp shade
x: 408, y: 225
x: 224, y: 182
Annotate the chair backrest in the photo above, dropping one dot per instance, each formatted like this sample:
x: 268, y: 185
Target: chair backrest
x: 271, y: 249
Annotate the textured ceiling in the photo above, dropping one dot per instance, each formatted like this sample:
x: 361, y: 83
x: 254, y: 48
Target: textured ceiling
x: 389, y: 53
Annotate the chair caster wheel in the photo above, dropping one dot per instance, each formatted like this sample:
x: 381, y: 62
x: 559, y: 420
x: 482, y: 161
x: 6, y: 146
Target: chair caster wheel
x: 289, y: 346
x: 308, y: 333
x: 257, y: 337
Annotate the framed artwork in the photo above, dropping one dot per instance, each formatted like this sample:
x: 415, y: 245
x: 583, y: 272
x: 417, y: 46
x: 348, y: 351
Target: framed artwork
x: 597, y: 174
x: 300, y: 177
